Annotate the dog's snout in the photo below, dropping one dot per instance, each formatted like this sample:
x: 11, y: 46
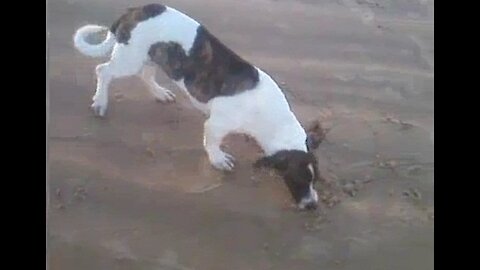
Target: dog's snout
x: 310, y: 202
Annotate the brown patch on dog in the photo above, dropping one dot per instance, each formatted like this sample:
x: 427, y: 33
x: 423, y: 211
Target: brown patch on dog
x: 125, y: 24
x: 209, y: 70
x: 171, y: 57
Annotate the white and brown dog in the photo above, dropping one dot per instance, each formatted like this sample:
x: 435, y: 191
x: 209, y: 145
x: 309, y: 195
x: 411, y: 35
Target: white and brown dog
x: 237, y: 96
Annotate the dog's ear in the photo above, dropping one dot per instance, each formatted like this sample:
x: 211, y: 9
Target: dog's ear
x: 315, y: 135
x: 278, y: 161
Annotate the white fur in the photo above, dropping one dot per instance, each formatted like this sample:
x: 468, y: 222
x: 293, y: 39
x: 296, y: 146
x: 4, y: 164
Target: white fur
x: 89, y: 49
x: 312, y: 197
x: 310, y: 168
x: 263, y: 112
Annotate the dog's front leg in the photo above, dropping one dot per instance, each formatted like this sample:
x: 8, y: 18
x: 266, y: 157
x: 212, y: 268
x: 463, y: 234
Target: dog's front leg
x: 161, y: 94
x: 214, y: 132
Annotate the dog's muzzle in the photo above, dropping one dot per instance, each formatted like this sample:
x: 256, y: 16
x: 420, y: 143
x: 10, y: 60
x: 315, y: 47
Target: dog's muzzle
x: 309, y: 202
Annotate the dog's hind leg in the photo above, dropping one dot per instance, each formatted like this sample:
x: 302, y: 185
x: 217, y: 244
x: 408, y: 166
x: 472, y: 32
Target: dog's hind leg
x: 125, y: 61
x: 161, y: 94
x: 214, y: 132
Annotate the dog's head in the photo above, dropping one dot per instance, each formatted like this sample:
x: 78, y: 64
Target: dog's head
x: 298, y: 168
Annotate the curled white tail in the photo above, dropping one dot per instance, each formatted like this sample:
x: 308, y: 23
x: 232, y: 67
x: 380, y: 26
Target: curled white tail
x: 93, y: 50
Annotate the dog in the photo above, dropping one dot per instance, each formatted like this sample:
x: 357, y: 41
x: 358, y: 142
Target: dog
x: 236, y: 96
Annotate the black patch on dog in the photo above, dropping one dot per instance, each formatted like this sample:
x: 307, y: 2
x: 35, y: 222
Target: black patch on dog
x: 209, y: 69
x: 292, y: 165
x: 125, y: 24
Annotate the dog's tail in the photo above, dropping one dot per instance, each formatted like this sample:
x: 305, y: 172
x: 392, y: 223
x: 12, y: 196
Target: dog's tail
x: 93, y: 50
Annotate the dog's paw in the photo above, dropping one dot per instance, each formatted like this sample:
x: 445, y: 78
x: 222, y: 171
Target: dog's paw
x: 99, y: 106
x: 163, y: 95
x: 222, y: 161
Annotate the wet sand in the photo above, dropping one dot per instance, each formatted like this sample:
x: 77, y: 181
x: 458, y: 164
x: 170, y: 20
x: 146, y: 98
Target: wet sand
x: 135, y: 190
